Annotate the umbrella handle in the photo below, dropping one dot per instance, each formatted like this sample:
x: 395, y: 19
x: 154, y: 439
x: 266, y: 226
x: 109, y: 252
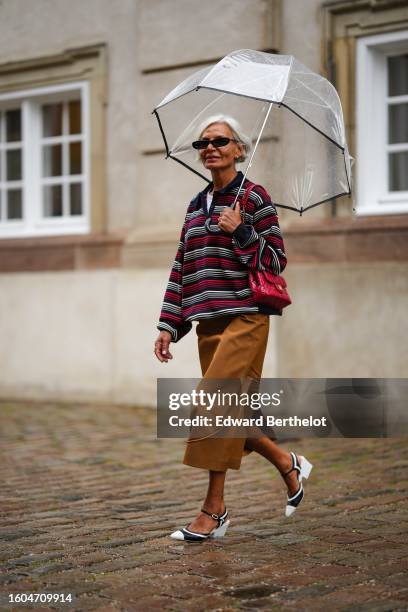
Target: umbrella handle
x: 243, y: 204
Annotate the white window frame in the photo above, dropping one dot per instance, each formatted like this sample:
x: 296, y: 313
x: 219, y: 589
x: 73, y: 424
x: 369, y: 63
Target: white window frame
x: 33, y: 223
x: 373, y: 196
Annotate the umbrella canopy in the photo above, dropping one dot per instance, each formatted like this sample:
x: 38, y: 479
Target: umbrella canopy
x: 294, y: 114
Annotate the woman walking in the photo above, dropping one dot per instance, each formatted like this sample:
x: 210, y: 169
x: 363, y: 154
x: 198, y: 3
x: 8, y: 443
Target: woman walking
x: 209, y: 283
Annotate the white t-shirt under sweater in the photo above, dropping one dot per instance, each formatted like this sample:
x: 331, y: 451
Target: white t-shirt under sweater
x: 209, y: 199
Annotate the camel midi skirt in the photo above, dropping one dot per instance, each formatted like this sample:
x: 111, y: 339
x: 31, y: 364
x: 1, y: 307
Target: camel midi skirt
x: 230, y: 347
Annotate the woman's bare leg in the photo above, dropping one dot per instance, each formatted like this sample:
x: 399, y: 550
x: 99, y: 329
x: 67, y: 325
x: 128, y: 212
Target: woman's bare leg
x: 280, y: 458
x: 214, y: 502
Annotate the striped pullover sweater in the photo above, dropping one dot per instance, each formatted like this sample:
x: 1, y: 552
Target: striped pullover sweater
x: 209, y: 276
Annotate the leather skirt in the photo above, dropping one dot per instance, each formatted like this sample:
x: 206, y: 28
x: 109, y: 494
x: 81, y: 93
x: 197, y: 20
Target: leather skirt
x: 230, y: 348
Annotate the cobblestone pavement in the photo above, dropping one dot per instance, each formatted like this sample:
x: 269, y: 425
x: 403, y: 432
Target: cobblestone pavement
x: 89, y: 496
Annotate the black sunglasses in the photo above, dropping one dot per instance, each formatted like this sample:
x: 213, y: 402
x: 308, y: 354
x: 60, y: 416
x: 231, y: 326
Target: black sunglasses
x: 221, y: 141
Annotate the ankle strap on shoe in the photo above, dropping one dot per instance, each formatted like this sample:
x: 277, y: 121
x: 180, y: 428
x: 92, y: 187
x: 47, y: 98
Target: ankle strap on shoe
x: 295, y: 464
x: 216, y: 517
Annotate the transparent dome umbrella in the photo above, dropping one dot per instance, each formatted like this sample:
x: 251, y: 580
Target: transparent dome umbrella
x: 289, y: 112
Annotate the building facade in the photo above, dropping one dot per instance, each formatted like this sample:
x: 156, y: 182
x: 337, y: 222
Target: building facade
x: 90, y: 211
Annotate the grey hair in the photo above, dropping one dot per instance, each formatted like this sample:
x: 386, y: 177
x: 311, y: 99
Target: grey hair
x: 236, y: 130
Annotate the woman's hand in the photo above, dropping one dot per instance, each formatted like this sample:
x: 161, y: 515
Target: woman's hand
x: 161, y: 346
x: 230, y: 219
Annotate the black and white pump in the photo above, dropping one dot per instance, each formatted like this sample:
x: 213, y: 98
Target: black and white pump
x: 303, y: 468
x: 218, y: 532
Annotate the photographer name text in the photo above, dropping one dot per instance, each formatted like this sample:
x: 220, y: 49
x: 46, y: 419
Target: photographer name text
x: 259, y: 421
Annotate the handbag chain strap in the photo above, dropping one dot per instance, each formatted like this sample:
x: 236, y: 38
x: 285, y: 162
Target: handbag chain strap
x: 245, y: 198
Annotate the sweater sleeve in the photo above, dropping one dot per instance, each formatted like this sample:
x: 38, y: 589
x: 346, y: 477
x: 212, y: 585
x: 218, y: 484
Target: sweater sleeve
x: 171, y: 319
x: 260, y: 245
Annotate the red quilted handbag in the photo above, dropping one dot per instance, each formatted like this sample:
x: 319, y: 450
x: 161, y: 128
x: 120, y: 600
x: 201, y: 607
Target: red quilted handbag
x: 267, y: 288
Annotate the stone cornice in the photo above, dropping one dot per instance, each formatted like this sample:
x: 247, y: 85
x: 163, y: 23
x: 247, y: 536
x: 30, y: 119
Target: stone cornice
x: 337, y: 240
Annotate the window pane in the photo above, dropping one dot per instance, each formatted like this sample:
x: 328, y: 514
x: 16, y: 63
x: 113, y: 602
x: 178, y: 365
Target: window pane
x: 398, y: 75
x: 13, y: 165
x: 14, y: 204
x: 52, y: 160
x: 398, y: 171
x: 75, y: 158
x: 74, y: 111
x: 398, y: 123
x: 75, y: 198
x: 52, y: 119
x: 13, y: 125
x: 52, y: 200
